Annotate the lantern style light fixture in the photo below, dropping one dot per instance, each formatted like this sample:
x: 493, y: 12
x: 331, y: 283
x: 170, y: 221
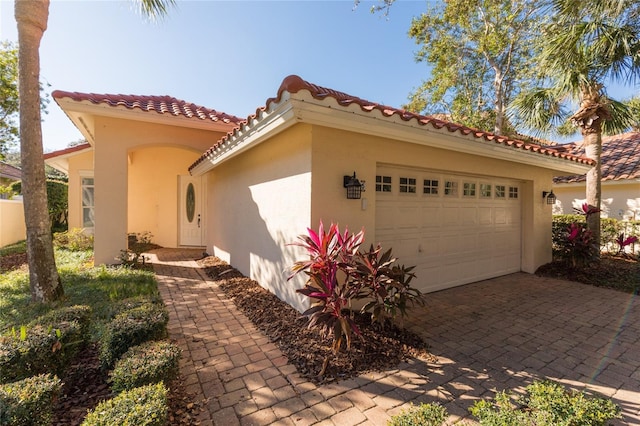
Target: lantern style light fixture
x: 549, y: 196
x: 355, y: 187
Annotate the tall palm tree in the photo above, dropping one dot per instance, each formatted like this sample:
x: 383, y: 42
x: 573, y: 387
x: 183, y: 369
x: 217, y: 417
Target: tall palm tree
x: 31, y: 17
x: 588, y: 43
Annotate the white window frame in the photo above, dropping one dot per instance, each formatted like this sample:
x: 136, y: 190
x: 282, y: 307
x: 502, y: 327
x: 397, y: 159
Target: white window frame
x: 410, y: 185
x: 87, y: 174
x: 431, y: 187
x: 382, y: 185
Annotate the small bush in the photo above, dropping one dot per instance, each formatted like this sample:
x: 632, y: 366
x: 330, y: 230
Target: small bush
x: 423, y: 415
x: 74, y: 240
x: 80, y: 313
x: 134, y: 302
x: 29, y: 402
x: 130, y: 328
x: 546, y: 404
x: 39, y: 349
x: 150, y: 362
x: 143, y: 406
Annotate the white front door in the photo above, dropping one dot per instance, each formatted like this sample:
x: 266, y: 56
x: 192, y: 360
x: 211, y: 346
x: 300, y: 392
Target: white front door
x: 191, y: 215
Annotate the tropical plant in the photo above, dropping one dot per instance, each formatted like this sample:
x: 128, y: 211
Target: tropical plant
x: 578, y: 246
x: 31, y: 18
x: 338, y: 274
x: 624, y: 242
x: 587, y: 43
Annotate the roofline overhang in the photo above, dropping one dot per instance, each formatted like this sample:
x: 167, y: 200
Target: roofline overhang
x: 608, y: 182
x: 61, y: 161
x: 302, y: 107
x: 78, y: 111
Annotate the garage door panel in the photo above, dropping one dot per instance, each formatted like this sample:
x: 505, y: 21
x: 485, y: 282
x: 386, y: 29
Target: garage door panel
x: 452, y: 240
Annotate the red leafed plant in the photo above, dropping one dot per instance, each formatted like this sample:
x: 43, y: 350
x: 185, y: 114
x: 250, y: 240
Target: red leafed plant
x: 624, y: 242
x: 338, y: 273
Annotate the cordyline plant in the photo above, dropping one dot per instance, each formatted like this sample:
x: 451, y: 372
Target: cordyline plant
x: 624, y: 242
x: 338, y: 274
x: 580, y: 246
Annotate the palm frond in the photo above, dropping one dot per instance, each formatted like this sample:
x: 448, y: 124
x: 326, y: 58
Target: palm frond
x: 621, y: 118
x: 539, y: 109
x: 154, y: 8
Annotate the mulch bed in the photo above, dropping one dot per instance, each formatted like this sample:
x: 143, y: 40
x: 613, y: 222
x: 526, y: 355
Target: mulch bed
x: 377, y: 349
x: 12, y: 261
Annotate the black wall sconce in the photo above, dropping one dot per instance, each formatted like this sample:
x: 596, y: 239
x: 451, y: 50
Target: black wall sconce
x: 355, y: 188
x: 549, y: 196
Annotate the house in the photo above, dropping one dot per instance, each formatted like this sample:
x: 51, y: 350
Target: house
x: 620, y: 179
x: 460, y: 204
x: 9, y: 174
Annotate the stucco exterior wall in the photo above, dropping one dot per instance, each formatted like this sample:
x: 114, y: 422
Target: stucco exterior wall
x: 117, y: 143
x: 338, y: 153
x: 153, y: 191
x: 619, y: 200
x: 258, y: 203
x: 12, y: 226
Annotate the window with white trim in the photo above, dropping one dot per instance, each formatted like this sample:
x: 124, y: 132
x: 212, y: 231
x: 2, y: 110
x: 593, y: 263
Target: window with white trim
x: 485, y: 190
x: 430, y: 186
x: 88, y: 214
x: 407, y: 185
x: 500, y: 191
x: 513, y: 192
x: 451, y: 188
x: 383, y: 183
x: 469, y: 189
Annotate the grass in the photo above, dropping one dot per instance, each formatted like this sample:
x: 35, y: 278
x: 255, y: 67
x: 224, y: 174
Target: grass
x: 97, y: 287
x: 19, y: 247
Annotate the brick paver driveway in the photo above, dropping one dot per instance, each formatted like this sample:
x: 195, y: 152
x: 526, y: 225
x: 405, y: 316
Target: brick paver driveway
x: 488, y: 336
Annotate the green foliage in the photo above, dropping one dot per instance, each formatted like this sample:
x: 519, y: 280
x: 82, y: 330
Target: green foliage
x: 143, y: 406
x: 480, y: 56
x: 9, y: 104
x: 6, y: 193
x: 546, y: 403
x: 338, y: 273
x: 80, y: 313
x: 610, y: 230
x: 15, y: 248
x: 423, y: 415
x: 57, y: 202
x: 150, y: 362
x: 74, y: 239
x: 29, y: 402
x: 130, y: 328
x: 37, y: 349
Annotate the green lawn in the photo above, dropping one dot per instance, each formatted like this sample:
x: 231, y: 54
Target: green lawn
x: 84, y: 284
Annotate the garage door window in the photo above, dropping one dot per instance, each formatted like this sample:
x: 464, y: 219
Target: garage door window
x: 407, y: 185
x: 485, y: 190
x: 469, y: 189
x: 430, y: 187
x: 500, y: 191
x: 451, y: 188
x: 513, y: 192
x: 383, y: 183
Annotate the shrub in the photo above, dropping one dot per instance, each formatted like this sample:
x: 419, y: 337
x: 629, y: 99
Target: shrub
x: 150, y: 362
x: 143, y: 406
x: 130, y: 328
x: 47, y: 344
x: 338, y: 273
x: 57, y: 202
x: 74, y: 239
x: 546, y: 404
x: 29, y: 402
x: 423, y: 415
x: 133, y: 302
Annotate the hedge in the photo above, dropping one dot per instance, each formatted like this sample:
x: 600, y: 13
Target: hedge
x: 29, y: 402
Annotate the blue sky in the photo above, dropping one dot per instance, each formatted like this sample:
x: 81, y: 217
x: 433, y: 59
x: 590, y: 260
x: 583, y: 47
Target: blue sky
x: 227, y: 55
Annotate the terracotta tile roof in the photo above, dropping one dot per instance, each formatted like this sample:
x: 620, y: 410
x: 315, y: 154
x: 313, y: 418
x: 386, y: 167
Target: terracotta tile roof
x: 620, y: 158
x: 9, y: 171
x: 66, y: 151
x: 293, y: 84
x: 159, y: 104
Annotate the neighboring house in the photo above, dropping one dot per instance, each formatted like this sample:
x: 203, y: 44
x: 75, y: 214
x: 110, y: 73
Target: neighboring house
x: 461, y: 204
x: 9, y: 174
x: 620, y: 179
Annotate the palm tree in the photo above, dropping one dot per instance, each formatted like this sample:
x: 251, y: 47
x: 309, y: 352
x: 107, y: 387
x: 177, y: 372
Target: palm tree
x: 587, y: 43
x: 31, y: 17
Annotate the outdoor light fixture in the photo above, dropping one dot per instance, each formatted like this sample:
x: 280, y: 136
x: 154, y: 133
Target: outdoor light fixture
x: 355, y: 188
x: 549, y: 196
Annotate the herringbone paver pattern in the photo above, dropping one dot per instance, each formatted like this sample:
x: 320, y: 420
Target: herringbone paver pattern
x: 488, y: 336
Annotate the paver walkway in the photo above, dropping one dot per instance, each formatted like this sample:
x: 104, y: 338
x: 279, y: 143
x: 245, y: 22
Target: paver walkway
x: 488, y: 336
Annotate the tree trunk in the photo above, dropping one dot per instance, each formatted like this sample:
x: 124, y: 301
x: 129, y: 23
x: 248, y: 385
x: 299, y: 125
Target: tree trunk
x: 31, y: 17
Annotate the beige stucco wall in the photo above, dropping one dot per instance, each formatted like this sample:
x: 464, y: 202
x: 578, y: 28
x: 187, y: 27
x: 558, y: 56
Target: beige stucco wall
x: 12, y: 226
x: 121, y: 146
x: 259, y: 202
x: 619, y: 200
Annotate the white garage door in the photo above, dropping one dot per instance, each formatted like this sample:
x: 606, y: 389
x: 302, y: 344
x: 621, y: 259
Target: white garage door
x: 455, y: 229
